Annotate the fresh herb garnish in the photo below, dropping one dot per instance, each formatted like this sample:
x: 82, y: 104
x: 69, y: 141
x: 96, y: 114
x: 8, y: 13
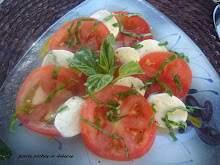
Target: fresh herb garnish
x: 5, y: 152
x: 52, y: 94
x: 163, y: 43
x: 152, y: 116
x: 115, y: 25
x: 26, y: 107
x: 103, y: 20
x: 132, y: 14
x: 70, y: 43
x: 105, y: 132
x: 77, y: 28
x: 62, y: 107
x: 177, y: 82
x: 57, y: 66
x: 107, y: 55
x: 137, y: 46
x: 127, y: 93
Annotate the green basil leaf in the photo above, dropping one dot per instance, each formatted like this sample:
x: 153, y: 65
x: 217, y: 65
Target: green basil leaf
x: 152, y: 116
x: 105, y: 132
x: 77, y: 28
x: 70, y: 43
x: 165, y: 87
x: 137, y: 46
x: 115, y: 25
x: 86, y: 61
x: 127, y: 93
x: 52, y: 94
x: 103, y: 20
x: 128, y: 69
x: 57, y: 66
x: 177, y: 82
x: 132, y: 14
x: 165, y: 119
x: 98, y: 81
x: 112, y: 118
x: 62, y: 107
x: 5, y: 152
x: 107, y: 55
x: 163, y: 43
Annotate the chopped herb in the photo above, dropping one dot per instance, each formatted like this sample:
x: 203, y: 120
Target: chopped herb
x: 169, y: 127
x: 152, y: 116
x: 26, y: 107
x: 115, y: 25
x: 57, y: 66
x: 165, y: 87
x: 132, y: 14
x: 77, y: 28
x: 105, y: 132
x: 177, y: 82
x: 70, y: 43
x: 98, y: 121
x: 52, y: 94
x: 103, y: 20
x: 5, y: 152
x: 137, y: 46
x: 62, y: 107
x: 128, y: 93
x: 163, y: 44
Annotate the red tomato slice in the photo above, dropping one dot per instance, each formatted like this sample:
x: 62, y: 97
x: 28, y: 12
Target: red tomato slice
x: 134, y: 24
x: 151, y: 63
x: 41, y: 78
x: 87, y: 37
x: 134, y: 128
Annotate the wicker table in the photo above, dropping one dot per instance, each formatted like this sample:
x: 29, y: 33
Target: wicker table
x: 23, y: 22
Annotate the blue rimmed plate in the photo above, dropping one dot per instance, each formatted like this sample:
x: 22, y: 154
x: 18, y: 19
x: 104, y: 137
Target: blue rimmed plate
x: 31, y: 148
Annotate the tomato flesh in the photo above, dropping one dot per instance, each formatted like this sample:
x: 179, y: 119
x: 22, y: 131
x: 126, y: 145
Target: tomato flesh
x: 41, y: 78
x: 134, y: 24
x: 87, y: 38
x: 134, y: 128
x: 151, y: 63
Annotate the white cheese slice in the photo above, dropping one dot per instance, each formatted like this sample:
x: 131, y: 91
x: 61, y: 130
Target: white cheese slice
x: 131, y: 81
x: 150, y: 46
x: 127, y: 54
x: 61, y: 55
x: 67, y: 121
x: 102, y: 14
x: 163, y: 102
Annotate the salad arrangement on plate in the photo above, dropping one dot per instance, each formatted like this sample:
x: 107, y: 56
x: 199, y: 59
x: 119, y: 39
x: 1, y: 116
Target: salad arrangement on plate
x: 105, y: 77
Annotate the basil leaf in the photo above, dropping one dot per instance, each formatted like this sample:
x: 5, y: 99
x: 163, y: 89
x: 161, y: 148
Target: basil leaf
x: 165, y: 87
x: 177, y: 82
x: 26, y: 107
x: 165, y: 119
x: 132, y: 14
x: 163, y: 43
x: 152, y: 116
x: 69, y: 44
x: 5, y: 152
x: 98, y: 81
x: 127, y: 93
x: 77, y: 28
x: 107, y: 55
x: 103, y: 20
x: 112, y: 118
x: 137, y: 46
x: 128, y: 69
x: 115, y: 25
x: 57, y: 66
x: 105, y: 132
x: 52, y: 94
x: 86, y: 61
x: 62, y: 107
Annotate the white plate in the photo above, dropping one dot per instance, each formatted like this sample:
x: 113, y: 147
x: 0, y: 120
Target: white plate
x: 31, y: 148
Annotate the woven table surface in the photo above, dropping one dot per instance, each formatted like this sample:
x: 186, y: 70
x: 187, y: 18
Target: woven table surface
x: 22, y: 22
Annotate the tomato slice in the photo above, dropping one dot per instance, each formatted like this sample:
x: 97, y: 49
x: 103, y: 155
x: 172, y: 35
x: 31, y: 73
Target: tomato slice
x: 134, y: 128
x: 37, y: 86
x: 151, y: 63
x: 134, y: 24
x: 86, y: 36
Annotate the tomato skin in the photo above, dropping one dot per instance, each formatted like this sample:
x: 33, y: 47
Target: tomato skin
x: 87, y: 37
x: 134, y: 24
x: 151, y: 63
x: 41, y: 77
x: 138, y: 111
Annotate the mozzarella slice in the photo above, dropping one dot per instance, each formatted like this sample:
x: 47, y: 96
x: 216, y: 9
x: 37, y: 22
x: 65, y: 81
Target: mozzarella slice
x: 67, y: 121
x: 163, y: 103
x: 102, y: 14
x: 150, y: 46
x: 61, y: 55
x: 132, y: 81
x: 127, y: 54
